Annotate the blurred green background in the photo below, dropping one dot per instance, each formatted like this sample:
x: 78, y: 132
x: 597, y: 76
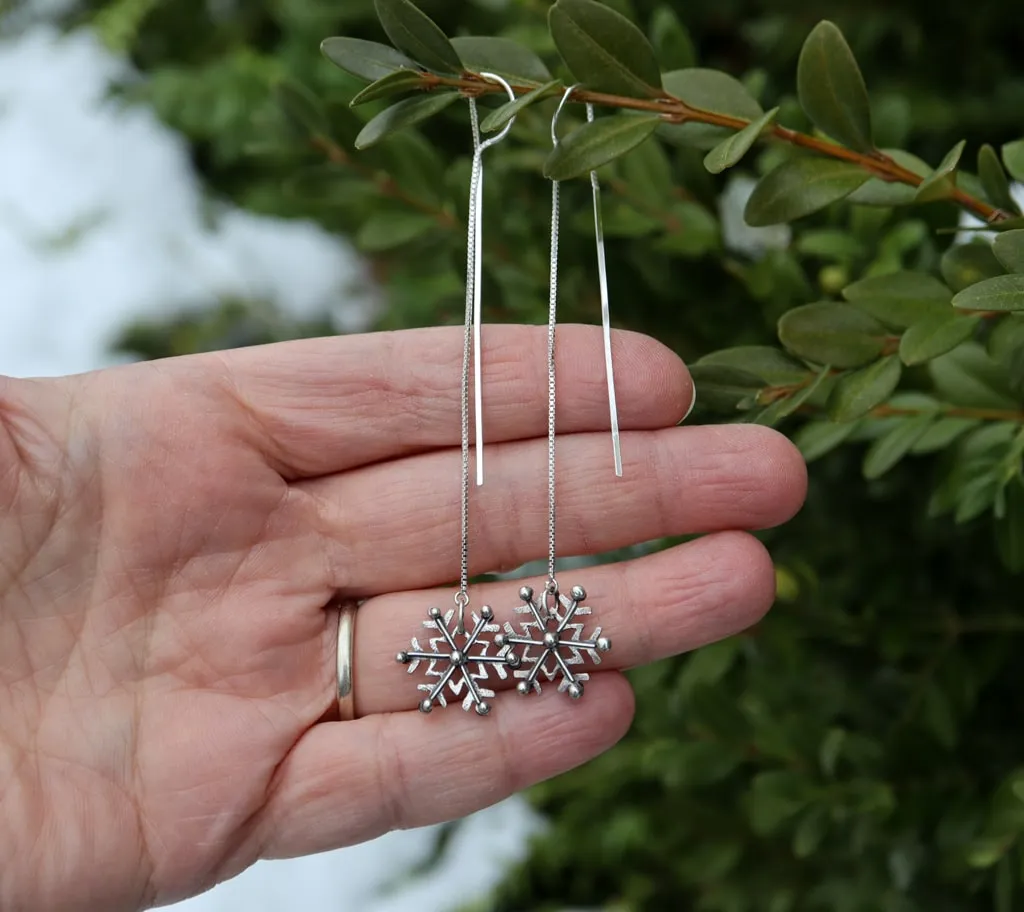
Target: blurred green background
x: 861, y: 749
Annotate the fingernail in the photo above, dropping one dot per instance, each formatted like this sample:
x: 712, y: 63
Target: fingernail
x: 693, y: 401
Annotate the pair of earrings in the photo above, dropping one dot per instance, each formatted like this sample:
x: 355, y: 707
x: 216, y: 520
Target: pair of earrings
x: 549, y: 644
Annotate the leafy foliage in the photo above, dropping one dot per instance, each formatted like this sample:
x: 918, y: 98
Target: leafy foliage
x: 858, y: 750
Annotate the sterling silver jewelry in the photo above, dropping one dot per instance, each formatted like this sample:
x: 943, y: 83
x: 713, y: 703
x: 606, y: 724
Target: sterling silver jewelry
x: 458, y: 660
x: 550, y: 642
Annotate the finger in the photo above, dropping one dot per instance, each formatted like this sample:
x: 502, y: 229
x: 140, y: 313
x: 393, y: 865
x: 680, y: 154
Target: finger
x: 396, y: 526
x: 658, y: 606
x: 348, y: 782
x: 325, y: 405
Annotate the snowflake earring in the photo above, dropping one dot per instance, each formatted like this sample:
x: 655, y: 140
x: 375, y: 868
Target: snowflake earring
x: 550, y: 643
x: 457, y: 659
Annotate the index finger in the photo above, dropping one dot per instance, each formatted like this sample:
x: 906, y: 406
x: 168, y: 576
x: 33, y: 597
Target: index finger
x: 322, y: 406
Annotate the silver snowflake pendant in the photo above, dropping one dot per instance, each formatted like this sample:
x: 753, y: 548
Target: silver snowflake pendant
x: 452, y: 658
x: 551, y: 644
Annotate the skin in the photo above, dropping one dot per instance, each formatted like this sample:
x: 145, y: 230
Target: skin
x: 170, y: 534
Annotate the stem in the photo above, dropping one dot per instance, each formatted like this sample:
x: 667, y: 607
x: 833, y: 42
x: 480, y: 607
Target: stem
x: 675, y: 110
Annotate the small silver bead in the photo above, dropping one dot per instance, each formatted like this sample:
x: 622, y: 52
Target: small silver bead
x: 458, y: 658
x: 487, y: 612
x: 499, y: 640
x: 435, y: 613
x: 579, y: 593
x: 426, y: 706
x: 576, y: 690
x: 483, y: 709
x: 526, y: 594
x: 403, y: 657
x: 550, y: 639
x: 523, y: 688
x: 603, y: 644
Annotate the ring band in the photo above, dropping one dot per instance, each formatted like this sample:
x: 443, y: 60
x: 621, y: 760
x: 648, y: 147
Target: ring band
x: 346, y: 648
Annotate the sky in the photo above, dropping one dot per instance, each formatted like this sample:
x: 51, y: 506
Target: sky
x: 101, y: 221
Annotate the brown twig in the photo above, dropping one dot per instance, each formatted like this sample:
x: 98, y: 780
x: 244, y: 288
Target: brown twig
x: 675, y: 110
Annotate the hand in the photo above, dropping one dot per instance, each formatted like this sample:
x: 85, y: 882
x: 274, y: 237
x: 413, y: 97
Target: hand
x: 172, y: 532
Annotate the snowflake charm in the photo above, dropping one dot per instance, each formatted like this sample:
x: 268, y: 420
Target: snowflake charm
x: 459, y: 659
x: 555, y: 633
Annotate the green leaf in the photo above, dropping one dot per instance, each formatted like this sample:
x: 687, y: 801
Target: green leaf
x: 694, y: 231
x: 712, y: 90
x: 969, y: 376
x: 414, y: 32
x: 790, y: 405
x: 941, y: 184
x: 832, y: 90
x: 935, y: 336
x: 967, y: 264
x: 775, y: 797
x: 832, y: 333
x: 942, y: 434
x: 603, y: 50
x: 1013, y: 158
x: 302, y: 108
x: 405, y: 114
x: 397, y: 83
x: 820, y: 438
x: 387, y: 230
x: 1006, y: 345
x: 994, y: 180
x: 672, y: 41
x: 800, y: 187
x: 722, y: 388
x: 731, y: 151
x: 1003, y: 293
x: 648, y: 173
x: 773, y: 366
x: 810, y: 833
x: 1009, y: 250
x: 497, y: 119
x: 597, y: 143
x: 503, y: 57
x: 858, y: 393
x: 1010, y: 528
x: 900, y: 299
x: 886, y: 452
x: 365, y: 60
x: 831, y: 244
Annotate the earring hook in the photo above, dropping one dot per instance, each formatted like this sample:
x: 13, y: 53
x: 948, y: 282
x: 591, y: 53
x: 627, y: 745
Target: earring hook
x: 558, y: 113
x: 473, y: 290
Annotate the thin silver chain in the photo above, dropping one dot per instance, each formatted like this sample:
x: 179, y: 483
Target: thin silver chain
x: 552, y: 325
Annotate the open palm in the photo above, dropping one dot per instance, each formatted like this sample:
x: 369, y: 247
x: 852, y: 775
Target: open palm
x: 172, y: 532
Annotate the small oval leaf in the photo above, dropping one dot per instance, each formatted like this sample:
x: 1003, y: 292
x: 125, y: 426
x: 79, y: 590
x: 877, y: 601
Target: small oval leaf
x: 604, y: 50
x: 821, y: 437
x: 858, y: 393
x: 900, y: 299
x: 964, y: 265
x: 367, y: 60
x: 497, y: 119
x: 405, y: 114
x: 1009, y: 249
x: 1003, y: 294
x: 886, y: 452
x: 832, y: 333
x: 1013, y: 158
x: 942, y: 182
x: 712, y: 90
x: 935, y: 336
x: 994, y: 180
x: 411, y: 30
x: 502, y: 56
x: 302, y: 108
x: 398, y: 83
x: 832, y: 89
x: 731, y: 151
x: 597, y: 143
x: 800, y: 187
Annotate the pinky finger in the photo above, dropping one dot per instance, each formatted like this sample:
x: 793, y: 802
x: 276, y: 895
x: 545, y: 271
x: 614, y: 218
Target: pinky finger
x: 348, y: 782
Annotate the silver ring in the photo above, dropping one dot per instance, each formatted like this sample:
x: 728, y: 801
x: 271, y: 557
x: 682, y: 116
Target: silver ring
x: 346, y: 649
